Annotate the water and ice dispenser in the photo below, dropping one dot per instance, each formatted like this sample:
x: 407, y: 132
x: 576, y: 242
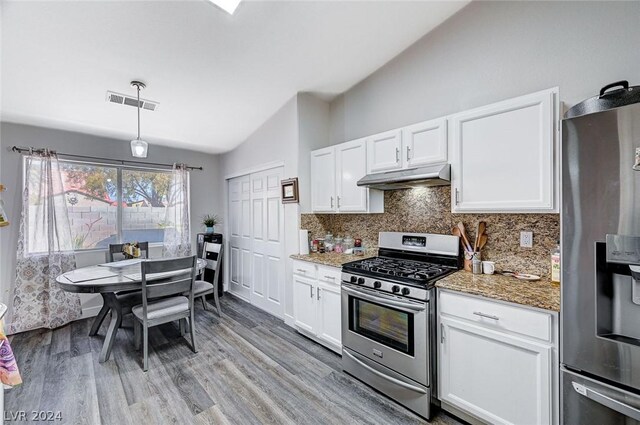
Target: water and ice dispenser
x: 618, y: 288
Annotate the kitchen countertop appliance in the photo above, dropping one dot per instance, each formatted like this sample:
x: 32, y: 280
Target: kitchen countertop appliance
x: 600, y: 221
x: 389, y: 315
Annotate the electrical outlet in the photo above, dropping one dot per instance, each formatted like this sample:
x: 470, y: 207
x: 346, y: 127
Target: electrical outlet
x: 526, y: 239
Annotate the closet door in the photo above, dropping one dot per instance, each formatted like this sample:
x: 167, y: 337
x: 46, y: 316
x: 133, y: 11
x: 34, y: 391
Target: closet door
x: 267, y: 231
x: 240, y: 236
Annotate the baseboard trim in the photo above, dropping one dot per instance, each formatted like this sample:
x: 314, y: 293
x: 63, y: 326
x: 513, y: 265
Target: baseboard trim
x: 289, y: 320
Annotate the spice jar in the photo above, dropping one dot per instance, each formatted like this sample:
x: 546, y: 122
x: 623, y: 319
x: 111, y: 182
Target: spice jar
x: 321, y: 248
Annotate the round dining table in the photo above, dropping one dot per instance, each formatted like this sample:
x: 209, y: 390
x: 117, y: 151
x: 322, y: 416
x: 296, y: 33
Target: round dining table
x: 106, y: 280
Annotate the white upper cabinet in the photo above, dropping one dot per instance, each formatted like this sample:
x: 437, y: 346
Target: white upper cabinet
x: 323, y: 183
x: 351, y: 166
x: 425, y: 143
x: 504, y: 156
x: 384, y: 152
x: 409, y: 147
x: 335, y: 172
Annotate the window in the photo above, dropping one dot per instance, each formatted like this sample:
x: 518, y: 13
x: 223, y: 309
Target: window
x: 145, y: 199
x: 112, y: 204
x: 91, y: 193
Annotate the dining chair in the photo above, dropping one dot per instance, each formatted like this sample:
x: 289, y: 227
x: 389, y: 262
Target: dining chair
x: 173, y: 278
x: 212, y: 253
x: 116, y: 248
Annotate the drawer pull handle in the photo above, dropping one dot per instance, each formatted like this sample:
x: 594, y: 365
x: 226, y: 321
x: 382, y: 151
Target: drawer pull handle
x: 330, y: 277
x: 301, y: 270
x: 488, y: 316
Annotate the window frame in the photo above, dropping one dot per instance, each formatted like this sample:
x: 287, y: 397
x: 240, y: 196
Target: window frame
x: 119, y: 183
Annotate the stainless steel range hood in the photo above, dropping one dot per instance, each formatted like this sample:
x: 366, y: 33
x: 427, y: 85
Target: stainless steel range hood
x: 433, y: 175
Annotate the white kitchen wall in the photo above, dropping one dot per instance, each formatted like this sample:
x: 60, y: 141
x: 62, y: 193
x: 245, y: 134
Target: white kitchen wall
x: 313, y: 126
x: 205, y: 190
x: 288, y: 137
x: 276, y: 141
x: 490, y: 51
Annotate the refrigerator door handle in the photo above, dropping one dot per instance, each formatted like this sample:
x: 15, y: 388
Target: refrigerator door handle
x: 606, y: 401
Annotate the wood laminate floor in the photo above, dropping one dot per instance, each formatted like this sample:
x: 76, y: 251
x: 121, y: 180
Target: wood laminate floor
x: 251, y: 368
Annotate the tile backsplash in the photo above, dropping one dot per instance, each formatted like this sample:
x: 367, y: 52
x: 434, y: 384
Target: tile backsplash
x: 428, y: 210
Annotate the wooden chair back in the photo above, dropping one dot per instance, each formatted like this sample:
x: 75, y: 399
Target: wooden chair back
x: 181, y: 276
x: 116, y: 248
x: 214, y: 261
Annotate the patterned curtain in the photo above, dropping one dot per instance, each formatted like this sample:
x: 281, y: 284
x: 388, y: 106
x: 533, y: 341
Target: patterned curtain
x: 45, y: 250
x: 177, y: 234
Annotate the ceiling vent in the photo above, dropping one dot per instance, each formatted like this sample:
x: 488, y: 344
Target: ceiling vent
x: 123, y: 99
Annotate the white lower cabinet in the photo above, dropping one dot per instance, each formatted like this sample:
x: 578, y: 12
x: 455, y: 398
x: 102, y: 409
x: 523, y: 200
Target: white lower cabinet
x: 500, y: 373
x: 317, y: 303
x: 304, y: 304
x: 329, y: 315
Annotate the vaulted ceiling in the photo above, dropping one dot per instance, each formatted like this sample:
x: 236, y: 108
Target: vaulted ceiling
x: 217, y: 77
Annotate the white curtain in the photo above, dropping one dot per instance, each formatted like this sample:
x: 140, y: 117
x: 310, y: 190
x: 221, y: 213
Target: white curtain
x: 177, y: 234
x: 45, y: 250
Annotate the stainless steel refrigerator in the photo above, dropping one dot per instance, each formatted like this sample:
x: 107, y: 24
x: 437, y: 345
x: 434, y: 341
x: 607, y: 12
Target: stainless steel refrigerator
x: 600, y: 314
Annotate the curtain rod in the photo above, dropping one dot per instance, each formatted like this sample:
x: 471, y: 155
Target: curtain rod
x: 120, y: 161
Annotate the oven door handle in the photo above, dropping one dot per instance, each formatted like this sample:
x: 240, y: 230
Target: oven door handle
x: 385, y: 301
x: 383, y: 376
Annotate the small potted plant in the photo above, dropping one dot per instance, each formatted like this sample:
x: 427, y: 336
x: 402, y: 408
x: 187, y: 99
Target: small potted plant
x: 209, y: 221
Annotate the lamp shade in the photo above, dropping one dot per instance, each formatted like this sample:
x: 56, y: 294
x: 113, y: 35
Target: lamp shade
x: 139, y: 148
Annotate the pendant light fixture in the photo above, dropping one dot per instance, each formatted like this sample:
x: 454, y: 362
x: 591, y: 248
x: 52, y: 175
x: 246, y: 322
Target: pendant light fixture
x: 138, y: 146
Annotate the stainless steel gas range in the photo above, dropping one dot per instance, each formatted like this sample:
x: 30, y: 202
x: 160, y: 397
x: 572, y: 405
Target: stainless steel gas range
x: 389, y: 315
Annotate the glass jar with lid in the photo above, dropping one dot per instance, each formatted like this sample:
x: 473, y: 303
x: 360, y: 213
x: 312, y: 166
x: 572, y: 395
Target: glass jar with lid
x: 328, y: 242
x: 338, y: 247
x: 348, y: 243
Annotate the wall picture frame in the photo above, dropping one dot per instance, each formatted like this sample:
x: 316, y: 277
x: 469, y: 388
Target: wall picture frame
x: 289, y: 191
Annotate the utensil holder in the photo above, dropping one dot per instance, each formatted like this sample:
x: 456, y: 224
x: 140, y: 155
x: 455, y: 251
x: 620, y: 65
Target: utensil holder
x: 468, y: 259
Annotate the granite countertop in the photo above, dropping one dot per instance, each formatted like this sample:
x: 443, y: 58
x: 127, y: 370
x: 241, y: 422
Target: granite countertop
x: 540, y: 294
x: 332, y: 259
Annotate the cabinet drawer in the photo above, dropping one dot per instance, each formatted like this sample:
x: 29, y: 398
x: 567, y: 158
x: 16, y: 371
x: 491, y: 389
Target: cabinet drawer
x: 329, y: 274
x: 520, y: 320
x: 304, y: 268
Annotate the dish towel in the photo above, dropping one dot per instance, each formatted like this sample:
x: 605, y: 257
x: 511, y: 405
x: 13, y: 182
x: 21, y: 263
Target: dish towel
x: 9, y: 373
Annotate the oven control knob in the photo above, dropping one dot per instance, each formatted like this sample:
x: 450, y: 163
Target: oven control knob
x: 361, y: 281
x: 395, y: 288
x: 405, y: 291
x: 377, y: 284
x: 353, y: 279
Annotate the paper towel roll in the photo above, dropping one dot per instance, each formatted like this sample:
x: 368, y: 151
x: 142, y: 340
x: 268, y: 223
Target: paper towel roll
x: 304, y: 242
